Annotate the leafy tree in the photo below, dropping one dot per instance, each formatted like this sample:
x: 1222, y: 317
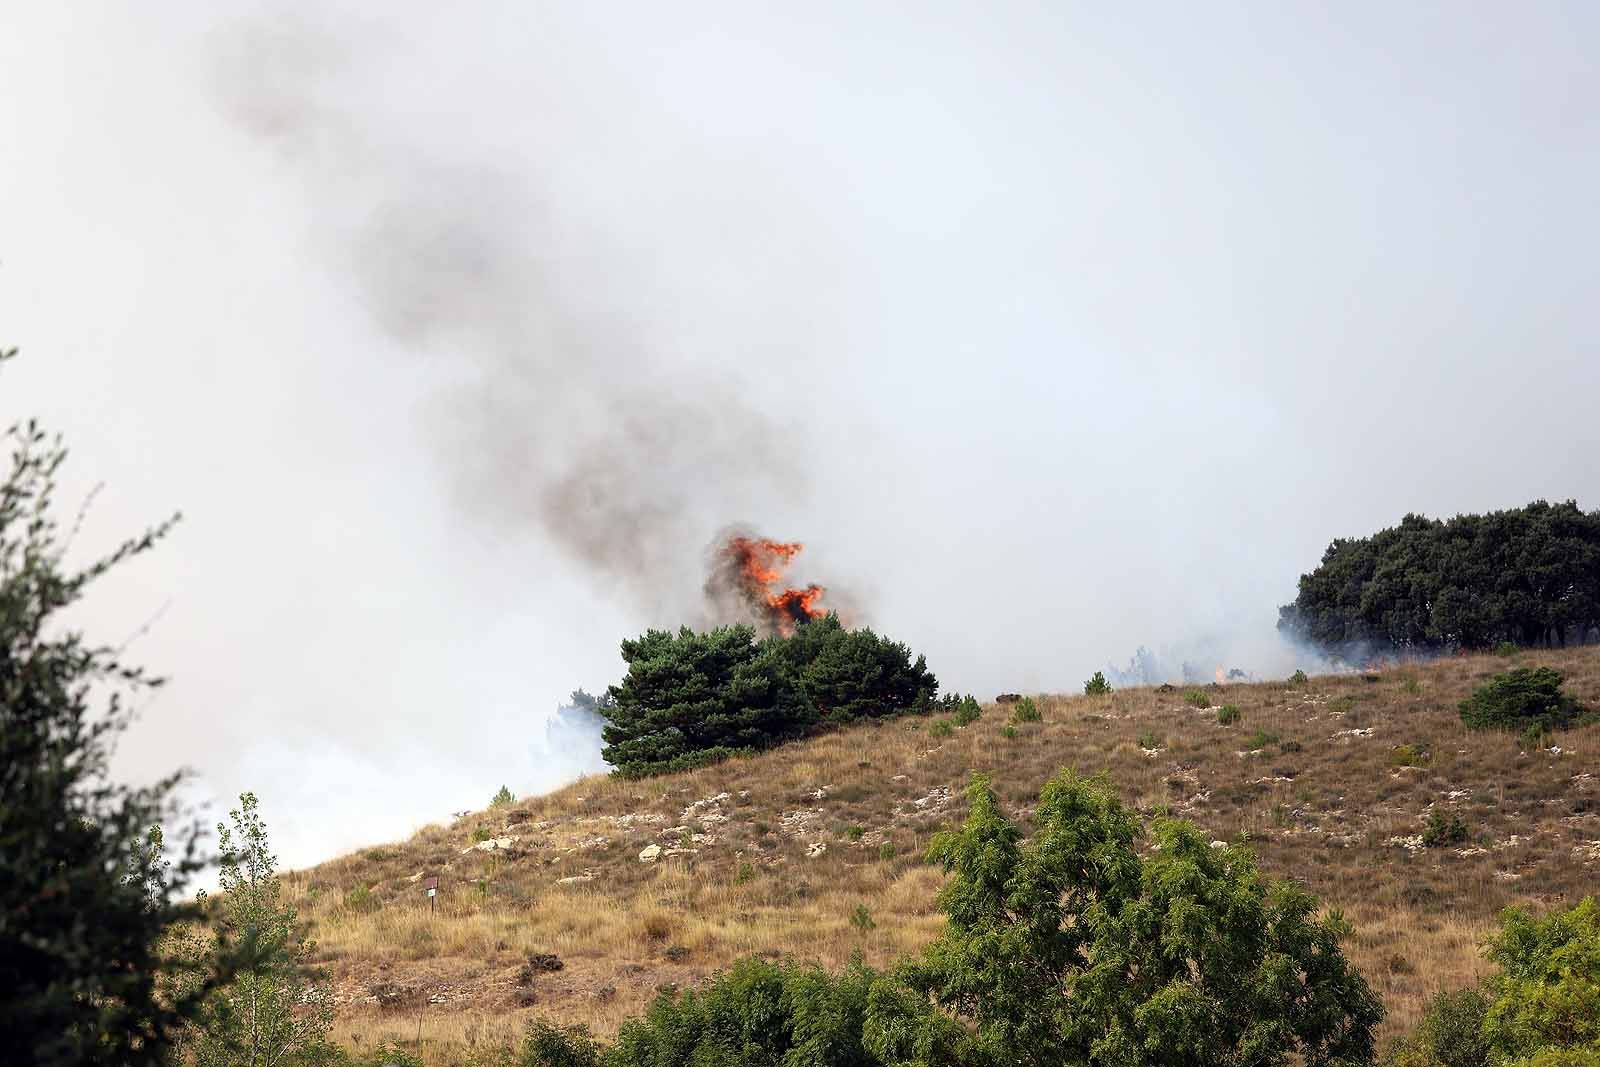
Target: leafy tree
x: 689, y: 698
x: 1449, y: 1035
x: 1519, y: 699
x: 86, y: 897
x: 1546, y: 996
x: 692, y: 698
x: 271, y: 1014
x: 1071, y: 948
x: 1526, y: 576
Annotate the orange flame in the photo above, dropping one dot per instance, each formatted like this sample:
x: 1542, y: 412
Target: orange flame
x: 1219, y: 674
x: 760, y: 566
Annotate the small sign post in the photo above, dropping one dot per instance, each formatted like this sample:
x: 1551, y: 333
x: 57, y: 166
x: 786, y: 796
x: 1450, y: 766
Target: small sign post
x: 432, y: 885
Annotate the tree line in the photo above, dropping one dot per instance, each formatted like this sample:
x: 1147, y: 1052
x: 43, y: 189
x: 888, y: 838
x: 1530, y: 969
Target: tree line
x: 1527, y: 576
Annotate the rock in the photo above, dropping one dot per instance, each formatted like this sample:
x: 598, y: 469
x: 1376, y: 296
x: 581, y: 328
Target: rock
x: 586, y: 876
x: 1008, y: 698
x: 649, y: 854
x: 815, y: 849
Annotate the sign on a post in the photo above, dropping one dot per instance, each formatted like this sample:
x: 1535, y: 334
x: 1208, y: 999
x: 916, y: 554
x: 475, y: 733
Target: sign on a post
x: 432, y: 885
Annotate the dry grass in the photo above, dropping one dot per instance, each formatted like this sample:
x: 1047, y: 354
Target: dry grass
x: 1321, y: 799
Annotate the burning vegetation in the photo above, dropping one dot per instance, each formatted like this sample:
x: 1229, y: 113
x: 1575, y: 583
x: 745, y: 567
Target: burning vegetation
x: 748, y: 576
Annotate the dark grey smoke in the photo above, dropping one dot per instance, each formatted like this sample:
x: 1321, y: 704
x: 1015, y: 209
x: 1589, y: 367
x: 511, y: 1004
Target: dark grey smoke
x: 555, y: 411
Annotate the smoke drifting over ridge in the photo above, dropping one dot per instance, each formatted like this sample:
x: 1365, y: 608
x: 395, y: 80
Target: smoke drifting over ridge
x: 561, y: 410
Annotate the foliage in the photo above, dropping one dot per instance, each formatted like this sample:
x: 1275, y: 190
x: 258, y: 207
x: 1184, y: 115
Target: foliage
x: 1260, y: 739
x: 1519, y: 699
x: 1026, y: 710
x: 1228, y: 714
x: 1409, y: 755
x: 1097, y: 685
x: 689, y: 699
x: 1450, y: 1034
x: 87, y: 899
x: 1525, y: 576
x: 544, y: 1045
x: 1441, y: 830
x: 1541, y: 1008
x: 941, y: 729
x: 1196, y: 699
x: 1149, y: 739
x: 861, y: 919
x: 1547, y: 993
x: 1298, y: 677
x: 502, y: 798
x: 757, y: 1014
x: 1072, y: 948
x: 270, y: 1013
x: 967, y: 711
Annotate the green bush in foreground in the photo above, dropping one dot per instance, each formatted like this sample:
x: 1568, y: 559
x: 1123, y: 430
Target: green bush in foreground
x: 1540, y: 1009
x: 1521, y: 699
x: 1228, y: 714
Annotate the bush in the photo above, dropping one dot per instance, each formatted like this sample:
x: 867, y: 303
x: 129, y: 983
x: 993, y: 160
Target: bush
x: 1026, y: 710
x: 361, y: 901
x: 1196, y: 699
x: 941, y: 728
x: 1008, y: 732
x: 887, y: 851
x: 1442, y: 830
x: 756, y: 1013
x: 544, y: 1045
x: 1450, y: 1034
x: 1097, y: 685
x: 1228, y: 714
x: 1506, y: 648
x: 1519, y: 699
x: 967, y: 712
x: 861, y: 919
x: 1149, y: 739
x: 1260, y: 739
x: 502, y: 798
x: 1298, y: 678
x: 689, y: 699
x: 1409, y: 756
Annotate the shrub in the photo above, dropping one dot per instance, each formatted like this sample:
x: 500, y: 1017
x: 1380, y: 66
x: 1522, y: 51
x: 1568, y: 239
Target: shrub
x: 755, y: 1013
x: 1196, y: 699
x: 1450, y: 1034
x: 745, y: 874
x: 1149, y: 739
x: 544, y: 1045
x: 502, y: 798
x: 1519, y: 699
x: 1259, y: 739
x: 1442, y: 830
x: 855, y: 833
x: 1228, y: 714
x: 861, y: 919
x: 1097, y: 685
x: 1298, y: 678
x: 480, y: 833
x: 967, y: 712
x: 361, y: 901
x: 1409, y: 756
x: 1008, y: 732
x: 1026, y: 710
x: 941, y: 729
x: 887, y: 851
x: 1546, y: 997
x: 1506, y: 648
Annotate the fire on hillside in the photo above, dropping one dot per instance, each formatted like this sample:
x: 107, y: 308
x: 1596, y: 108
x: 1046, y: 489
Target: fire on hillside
x: 749, y: 572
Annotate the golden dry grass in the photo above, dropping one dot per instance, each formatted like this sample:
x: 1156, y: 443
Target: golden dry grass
x: 1321, y: 800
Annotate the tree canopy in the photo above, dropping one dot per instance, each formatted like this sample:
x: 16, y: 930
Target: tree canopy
x: 1529, y: 576
x: 691, y: 698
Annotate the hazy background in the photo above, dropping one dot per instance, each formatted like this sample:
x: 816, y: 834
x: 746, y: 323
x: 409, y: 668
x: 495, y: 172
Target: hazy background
x: 456, y: 334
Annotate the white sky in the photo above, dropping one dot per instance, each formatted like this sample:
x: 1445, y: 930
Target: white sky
x: 456, y: 331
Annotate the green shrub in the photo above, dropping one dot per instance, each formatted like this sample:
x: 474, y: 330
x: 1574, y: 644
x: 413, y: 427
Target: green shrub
x: 1450, y: 1034
x: 1008, y: 732
x: 941, y: 728
x: 1149, y: 739
x: 481, y: 833
x: 1506, y: 648
x: 887, y: 851
x: 755, y: 1013
x: 967, y: 711
x: 1097, y: 685
x: 544, y: 1045
x: 1196, y: 699
x: 1298, y: 678
x: 361, y: 901
x: 1409, y: 756
x: 861, y: 919
x: 744, y: 875
x: 1026, y: 710
x: 502, y: 798
x: 855, y: 833
x: 1442, y: 830
x: 1519, y: 699
x: 1228, y: 714
x: 1546, y: 997
x: 1259, y: 739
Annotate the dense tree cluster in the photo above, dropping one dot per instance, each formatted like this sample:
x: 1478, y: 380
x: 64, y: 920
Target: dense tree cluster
x: 1529, y: 576
x: 692, y: 698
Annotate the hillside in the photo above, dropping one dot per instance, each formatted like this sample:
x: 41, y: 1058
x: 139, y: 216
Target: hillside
x: 578, y: 905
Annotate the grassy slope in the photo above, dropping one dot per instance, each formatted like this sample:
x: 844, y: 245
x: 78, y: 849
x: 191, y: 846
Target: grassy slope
x: 808, y: 833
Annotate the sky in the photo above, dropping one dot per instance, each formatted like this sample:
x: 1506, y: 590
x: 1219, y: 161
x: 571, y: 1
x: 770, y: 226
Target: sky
x: 458, y: 332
